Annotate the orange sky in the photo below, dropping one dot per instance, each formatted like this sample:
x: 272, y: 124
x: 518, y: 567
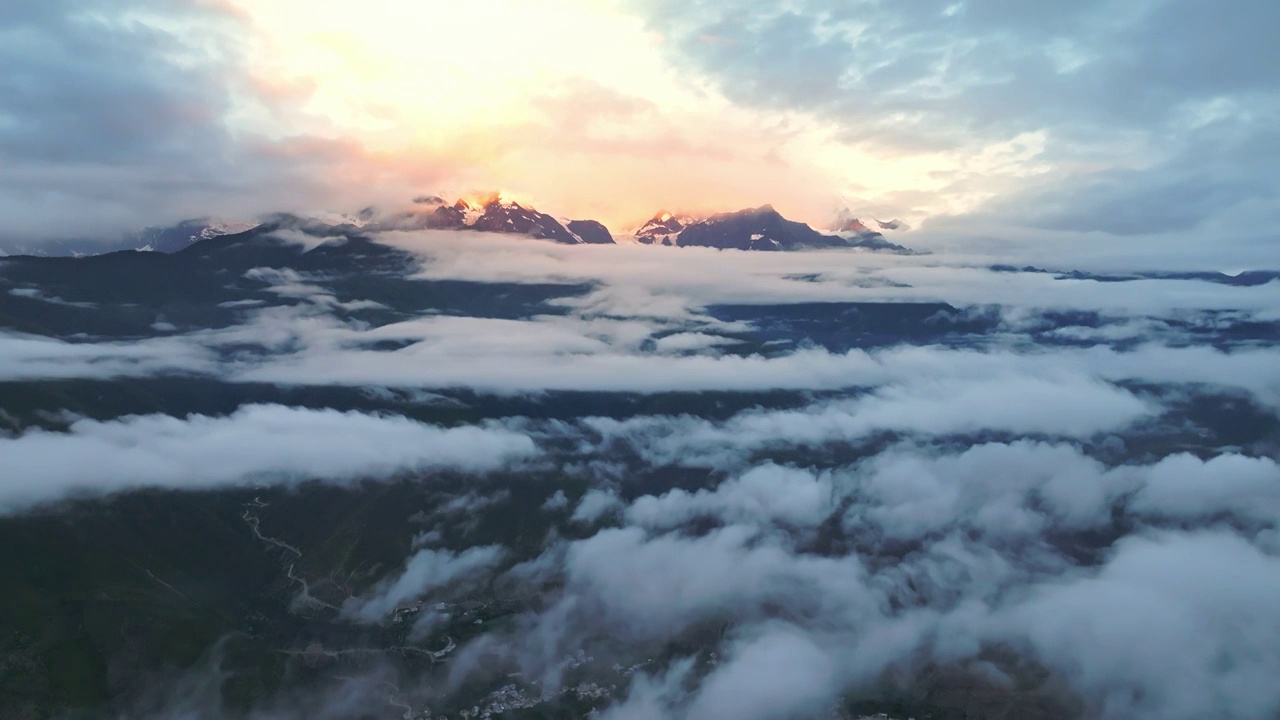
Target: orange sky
x: 570, y: 103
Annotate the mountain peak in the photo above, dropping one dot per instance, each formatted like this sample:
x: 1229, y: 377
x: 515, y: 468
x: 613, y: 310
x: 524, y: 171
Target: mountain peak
x: 499, y: 213
x: 663, y: 228
x: 847, y: 222
x: 764, y: 228
x: 761, y: 228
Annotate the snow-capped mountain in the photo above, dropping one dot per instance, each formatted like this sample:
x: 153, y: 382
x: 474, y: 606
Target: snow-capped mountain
x: 853, y: 225
x: 663, y: 228
x: 847, y: 222
x: 868, y: 233
x: 590, y: 232
x: 182, y: 235
x: 501, y: 215
x: 764, y: 228
x: 165, y: 239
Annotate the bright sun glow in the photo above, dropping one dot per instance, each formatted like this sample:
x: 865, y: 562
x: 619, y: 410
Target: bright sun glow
x: 384, y: 65
x: 572, y: 99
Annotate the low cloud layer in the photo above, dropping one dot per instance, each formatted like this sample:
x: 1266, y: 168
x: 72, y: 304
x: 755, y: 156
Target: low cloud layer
x: 426, y: 571
x: 609, y: 355
x: 32, y: 357
x: 1014, y: 404
x: 942, y: 557
x: 258, y: 444
x: 952, y: 273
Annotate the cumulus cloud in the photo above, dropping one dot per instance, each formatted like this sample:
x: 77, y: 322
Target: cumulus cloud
x: 557, y: 502
x: 1173, y: 626
x: 426, y: 571
x: 596, y: 504
x: 927, y: 554
x: 1080, y: 407
x: 780, y: 672
x: 1003, y: 491
x: 657, y: 586
x: 651, y: 697
x: 769, y: 493
x: 940, y: 555
x: 1186, y: 487
x: 256, y: 444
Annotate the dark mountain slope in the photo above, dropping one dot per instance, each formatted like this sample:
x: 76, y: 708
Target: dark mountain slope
x: 766, y: 229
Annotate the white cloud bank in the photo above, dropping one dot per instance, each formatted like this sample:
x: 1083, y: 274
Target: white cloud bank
x: 258, y: 444
x: 426, y: 571
x: 940, y: 555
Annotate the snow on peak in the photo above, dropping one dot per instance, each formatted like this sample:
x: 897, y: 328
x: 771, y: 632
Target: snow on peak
x: 847, y: 222
x: 663, y: 228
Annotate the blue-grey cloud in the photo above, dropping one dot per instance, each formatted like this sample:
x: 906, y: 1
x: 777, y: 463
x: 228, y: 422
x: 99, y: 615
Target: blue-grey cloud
x: 112, y: 113
x: 1157, y: 116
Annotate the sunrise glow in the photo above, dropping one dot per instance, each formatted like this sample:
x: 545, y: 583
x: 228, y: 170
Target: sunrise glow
x: 573, y: 102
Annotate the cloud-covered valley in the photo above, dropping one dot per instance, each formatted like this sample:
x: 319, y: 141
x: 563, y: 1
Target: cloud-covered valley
x: 651, y: 319
x: 660, y: 483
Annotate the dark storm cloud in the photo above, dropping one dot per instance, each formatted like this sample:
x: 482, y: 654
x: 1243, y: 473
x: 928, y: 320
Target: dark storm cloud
x: 1157, y: 115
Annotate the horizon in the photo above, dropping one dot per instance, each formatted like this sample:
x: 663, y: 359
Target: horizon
x: 1077, y: 118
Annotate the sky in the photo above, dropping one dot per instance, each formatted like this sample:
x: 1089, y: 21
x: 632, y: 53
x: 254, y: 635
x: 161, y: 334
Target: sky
x: 1121, y: 118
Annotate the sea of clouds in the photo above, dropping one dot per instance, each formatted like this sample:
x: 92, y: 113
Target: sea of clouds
x: 925, y: 504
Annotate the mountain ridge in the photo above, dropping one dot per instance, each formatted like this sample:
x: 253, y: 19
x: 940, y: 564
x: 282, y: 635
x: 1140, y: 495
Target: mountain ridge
x: 765, y: 229
x: 499, y: 215
x: 751, y: 229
